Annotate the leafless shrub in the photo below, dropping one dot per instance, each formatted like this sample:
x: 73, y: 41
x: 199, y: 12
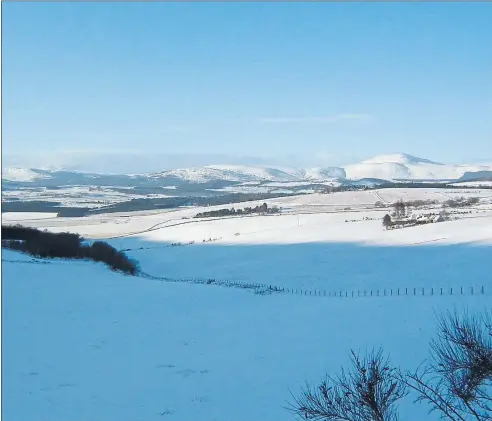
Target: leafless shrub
x: 368, y: 392
x: 457, y: 380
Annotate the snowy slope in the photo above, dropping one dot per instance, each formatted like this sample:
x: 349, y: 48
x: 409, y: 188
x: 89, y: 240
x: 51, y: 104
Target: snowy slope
x: 81, y: 342
x: 230, y: 173
x: 404, y: 166
x: 324, y: 173
x: 251, y: 174
x: 299, y: 247
x: 22, y: 174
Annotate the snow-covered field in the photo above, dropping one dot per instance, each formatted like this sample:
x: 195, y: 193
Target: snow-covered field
x: 475, y: 184
x: 81, y: 342
x: 19, y: 217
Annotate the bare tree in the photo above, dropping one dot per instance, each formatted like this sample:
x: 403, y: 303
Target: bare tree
x: 457, y: 380
x: 368, y: 392
x: 400, y: 208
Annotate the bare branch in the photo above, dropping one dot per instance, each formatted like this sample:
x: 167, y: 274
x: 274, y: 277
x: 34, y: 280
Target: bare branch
x: 458, y: 380
x: 368, y: 392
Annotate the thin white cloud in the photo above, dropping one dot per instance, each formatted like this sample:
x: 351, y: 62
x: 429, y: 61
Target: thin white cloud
x: 336, y: 118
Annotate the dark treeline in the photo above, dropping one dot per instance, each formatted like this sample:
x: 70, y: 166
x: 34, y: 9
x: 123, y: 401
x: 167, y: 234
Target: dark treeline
x: 461, y: 202
x: 30, y: 206
x: 138, y: 204
x: 175, y: 202
x: 66, y: 245
x: 415, y: 185
x: 263, y: 209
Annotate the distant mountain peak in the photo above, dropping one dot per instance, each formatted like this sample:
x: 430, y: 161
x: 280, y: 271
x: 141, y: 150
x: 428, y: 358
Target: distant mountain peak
x: 398, y: 166
x: 399, y: 158
x: 22, y: 174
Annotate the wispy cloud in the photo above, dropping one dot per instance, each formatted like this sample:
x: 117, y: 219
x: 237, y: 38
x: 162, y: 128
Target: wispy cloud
x: 330, y: 119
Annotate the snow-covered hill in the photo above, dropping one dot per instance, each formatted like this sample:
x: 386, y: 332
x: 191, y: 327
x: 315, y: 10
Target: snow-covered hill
x: 408, y: 167
x: 22, y: 174
x: 231, y: 173
x: 384, y: 167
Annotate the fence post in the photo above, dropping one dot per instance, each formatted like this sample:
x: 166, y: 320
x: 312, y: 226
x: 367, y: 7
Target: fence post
x: 483, y: 292
x: 346, y: 293
x: 461, y: 290
x: 432, y: 291
x: 441, y: 291
x: 398, y: 291
x: 415, y: 291
x: 423, y: 291
x: 391, y: 291
x: 352, y: 294
x: 451, y: 290
x: 472, y: 290
x: 377, y: 292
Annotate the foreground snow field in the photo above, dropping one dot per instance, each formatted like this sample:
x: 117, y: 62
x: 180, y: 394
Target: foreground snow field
x: 81, y: 342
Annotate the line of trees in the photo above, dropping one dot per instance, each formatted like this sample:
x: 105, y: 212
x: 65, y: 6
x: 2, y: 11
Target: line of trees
x: 456, y: 381
x: 263, y: 209
x: 461, y: 202
x: 66, y: 245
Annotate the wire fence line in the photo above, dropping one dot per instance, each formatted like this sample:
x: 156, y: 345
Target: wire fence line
x: 263, y: 289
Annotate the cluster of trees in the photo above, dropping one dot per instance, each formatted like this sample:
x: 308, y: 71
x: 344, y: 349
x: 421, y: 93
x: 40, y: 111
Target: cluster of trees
x: 338, y: 189
x: 246, y: 211
x: 421, y: 203
x: 456, y: 381
x: 66, y: 245
x: 461, y: 202
x: 408, y: 204
x: 400, y: 209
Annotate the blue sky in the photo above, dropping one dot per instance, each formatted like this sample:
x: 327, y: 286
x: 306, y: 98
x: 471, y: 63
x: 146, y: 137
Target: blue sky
x: 306, y: 83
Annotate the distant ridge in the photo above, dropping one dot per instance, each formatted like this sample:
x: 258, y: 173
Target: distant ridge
x: 390, y: 167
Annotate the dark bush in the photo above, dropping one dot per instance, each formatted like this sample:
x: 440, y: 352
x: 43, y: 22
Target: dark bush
x: 18, y: 232
x: 65, y: 245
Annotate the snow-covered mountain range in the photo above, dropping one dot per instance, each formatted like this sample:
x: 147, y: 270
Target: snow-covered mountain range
x: 384, y: 167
